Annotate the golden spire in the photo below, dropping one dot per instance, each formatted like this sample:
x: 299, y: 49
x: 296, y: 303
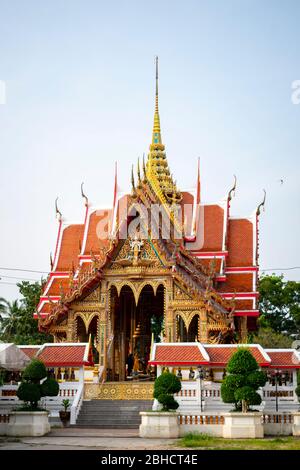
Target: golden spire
x: 156, y: 135
x: 157, y: 169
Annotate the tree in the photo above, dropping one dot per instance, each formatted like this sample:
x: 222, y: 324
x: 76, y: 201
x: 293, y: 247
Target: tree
x: 279, y: 304
x: 268, y: 338
x: 10, y: 318
x: 17, y: 323
x: 31, y: 390
x: 164, y: 388
x: 244, y: 379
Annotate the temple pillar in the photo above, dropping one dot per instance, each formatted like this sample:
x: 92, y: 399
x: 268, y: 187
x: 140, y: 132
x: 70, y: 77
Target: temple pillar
x: 202, y: 326
x: 170, y: 326
x: 243, y: 331
x: 102, y: 341
x: 71, y: 329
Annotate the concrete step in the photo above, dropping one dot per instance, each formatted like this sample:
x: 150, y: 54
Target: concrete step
x: 112, y: 414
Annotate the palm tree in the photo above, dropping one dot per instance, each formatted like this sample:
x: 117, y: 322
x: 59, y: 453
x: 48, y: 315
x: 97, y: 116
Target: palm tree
x: 10, y: 317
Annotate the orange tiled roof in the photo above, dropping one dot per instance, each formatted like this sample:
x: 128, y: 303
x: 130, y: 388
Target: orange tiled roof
x: 222, y: 354
x: 29, y: 351
x: 213, y: 228
x: 240, y: 243
x: 281, y: 358
x: 240, y: 282
x: 178, y: 354
x: 55, y: 285
x: 64, y: 355
x: 93, y: 241
x: 70, y: 247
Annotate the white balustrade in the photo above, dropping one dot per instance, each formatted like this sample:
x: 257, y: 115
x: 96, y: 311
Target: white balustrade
x: 76, y: 405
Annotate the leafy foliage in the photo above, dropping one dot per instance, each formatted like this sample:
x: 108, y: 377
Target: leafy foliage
x: 30, y: 393
x: 164, y: 388
x: 49, y: 388
x: 269, y: 338
x: 279, y: 304
x: 31, y: 390
x: 66, y: 403
x: 17, y: 324
x: 35, y: 371
x: 241, y: 385
x: 297, y: 390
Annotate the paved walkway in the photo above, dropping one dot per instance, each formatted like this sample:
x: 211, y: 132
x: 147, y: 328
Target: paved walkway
x: 83, y: 438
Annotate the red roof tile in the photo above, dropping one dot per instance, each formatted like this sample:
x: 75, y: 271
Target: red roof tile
x: 240, y: 243
x: 239, y: 282
x: 283, y: 358
x: 222, y: 354
x: 97, y: 231
x: 178, y: 354
x: 70, y: 247
x: 31, y: 351
x: 58, y: 355
x: 213, y: 228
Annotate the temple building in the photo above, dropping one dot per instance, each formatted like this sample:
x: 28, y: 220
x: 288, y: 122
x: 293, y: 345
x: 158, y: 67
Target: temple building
x: 158, y: 265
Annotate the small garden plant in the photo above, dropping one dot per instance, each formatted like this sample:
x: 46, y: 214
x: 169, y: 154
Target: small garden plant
x: 164, y: 388
x: 31, y: 390
x: 242, y: 381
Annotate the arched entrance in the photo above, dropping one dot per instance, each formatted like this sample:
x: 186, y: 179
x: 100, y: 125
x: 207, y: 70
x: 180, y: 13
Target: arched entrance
x: 190, y: 334
x: 93, y: 334
x: 133, y: 326
x: 81, y: 333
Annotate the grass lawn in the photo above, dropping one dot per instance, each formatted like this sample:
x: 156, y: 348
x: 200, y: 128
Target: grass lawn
x: 205, y: 441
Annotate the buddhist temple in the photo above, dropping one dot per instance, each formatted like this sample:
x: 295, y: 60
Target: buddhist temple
x: 159, y: 265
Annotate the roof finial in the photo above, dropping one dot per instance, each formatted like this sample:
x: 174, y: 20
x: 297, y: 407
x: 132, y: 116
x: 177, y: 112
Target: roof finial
x: 57, y: 211
x: 84, y: 196
x: 262, y: 204
x: 156, y: 137
x: 138, y: 171
x: 144, y: 167
x: 232, y: 191
x: 132, y: 179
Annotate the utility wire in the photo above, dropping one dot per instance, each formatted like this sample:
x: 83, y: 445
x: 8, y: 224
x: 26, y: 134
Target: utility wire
x: 21, y: 278
x: 8, y: 283
x: 280, y: 269
x: 24, y: 270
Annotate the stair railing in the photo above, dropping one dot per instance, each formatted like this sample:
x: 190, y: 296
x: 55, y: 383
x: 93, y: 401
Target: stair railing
x: 76, y: 405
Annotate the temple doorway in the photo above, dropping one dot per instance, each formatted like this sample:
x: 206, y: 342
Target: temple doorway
x: 133, y: 326
x: 190, y: 334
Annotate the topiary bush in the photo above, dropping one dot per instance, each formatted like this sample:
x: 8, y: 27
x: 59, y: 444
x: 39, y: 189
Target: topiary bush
x: 49, y: 388
x: 31, y: 390
x: 243, y: 380
x: 297, y: 390
x: 164, y: 388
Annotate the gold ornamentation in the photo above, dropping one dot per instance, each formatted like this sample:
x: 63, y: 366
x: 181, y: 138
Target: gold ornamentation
x: 119, y: 391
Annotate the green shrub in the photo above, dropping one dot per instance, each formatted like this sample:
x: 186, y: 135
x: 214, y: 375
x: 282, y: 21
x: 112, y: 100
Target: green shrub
x: 35, y: 371
x: 297, y: 390
x: 164, y: 388
x: 167, y: 401
x: 241, y: 385
x: 242, y: 362
x: 31, y: 390
x: 49, y: 388
x: 30, y: 393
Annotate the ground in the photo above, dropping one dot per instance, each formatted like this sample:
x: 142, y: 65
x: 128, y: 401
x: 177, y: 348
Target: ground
x: 115, y: 439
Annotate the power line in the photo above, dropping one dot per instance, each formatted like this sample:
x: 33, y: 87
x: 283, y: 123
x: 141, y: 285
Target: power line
x: 280, y: 269
x: 24, y: 270
x: 8, y: 283
x: 47, y: 272
x: 21, y: 278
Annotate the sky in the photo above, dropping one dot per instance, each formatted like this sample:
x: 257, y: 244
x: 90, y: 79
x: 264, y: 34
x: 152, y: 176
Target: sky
x: 79, y: 86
